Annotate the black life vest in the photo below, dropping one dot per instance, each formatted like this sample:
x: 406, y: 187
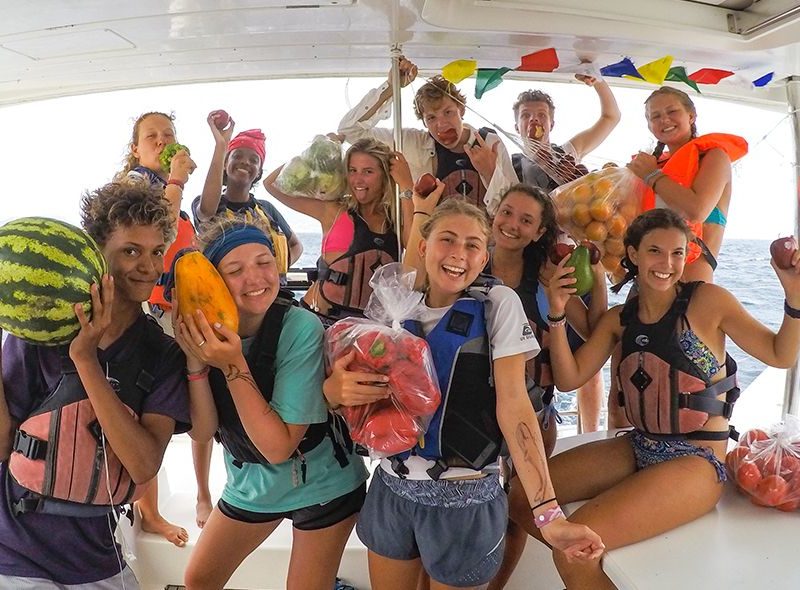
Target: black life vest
x: 59, y: 453
x: 344, y: 283
x: 261, y: 358
x: 459, y: 176
x: 530, y: 172
x: 663, y: 392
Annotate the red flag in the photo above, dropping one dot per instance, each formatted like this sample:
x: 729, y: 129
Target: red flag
x: 709, y: 76
x: 545, y: 60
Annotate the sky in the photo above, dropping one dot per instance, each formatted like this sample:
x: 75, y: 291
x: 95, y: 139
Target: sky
x: 55, y: 150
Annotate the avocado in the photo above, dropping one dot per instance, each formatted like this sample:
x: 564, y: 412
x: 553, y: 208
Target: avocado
x: 581, y: 260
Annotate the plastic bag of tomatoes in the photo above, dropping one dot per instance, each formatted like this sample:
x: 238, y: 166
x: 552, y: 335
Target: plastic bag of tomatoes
x: 599, y: 207
x: 766, y: 465
x: 382, y: 347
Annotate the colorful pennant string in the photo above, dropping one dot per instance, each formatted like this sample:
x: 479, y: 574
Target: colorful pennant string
x: 459, y: 70
x: 656, y: 71
x: 622, y: 68
x: 678, y: 74
x: 763, y: 80
x: 487, y: 79
x: 545, y: 60
x: 709, y: 76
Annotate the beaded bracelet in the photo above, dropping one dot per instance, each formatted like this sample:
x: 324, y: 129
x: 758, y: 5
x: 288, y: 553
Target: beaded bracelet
x: 548, y: 516
x: 792, y: 312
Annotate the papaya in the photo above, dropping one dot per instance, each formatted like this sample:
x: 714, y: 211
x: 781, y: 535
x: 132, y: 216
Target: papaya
x: 581, y: 261
x: 198, y: 285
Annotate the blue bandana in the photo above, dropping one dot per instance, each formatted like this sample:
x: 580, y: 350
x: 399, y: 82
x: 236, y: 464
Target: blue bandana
x: 243, y: 234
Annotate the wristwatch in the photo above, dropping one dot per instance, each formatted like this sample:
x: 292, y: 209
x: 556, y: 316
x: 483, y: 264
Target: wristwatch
x: 406, y: 194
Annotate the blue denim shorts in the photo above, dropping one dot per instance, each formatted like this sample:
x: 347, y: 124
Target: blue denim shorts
x: 650, y: 451
x: 456, y: 528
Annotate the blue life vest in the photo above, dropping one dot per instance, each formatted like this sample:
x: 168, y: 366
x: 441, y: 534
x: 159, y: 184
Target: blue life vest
x: 464, y: 431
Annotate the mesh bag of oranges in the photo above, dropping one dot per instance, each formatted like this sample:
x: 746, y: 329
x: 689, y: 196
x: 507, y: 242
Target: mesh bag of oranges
x: 599, y: 207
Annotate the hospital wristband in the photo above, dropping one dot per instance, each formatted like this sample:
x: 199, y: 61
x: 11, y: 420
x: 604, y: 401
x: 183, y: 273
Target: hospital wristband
x: 792, y: 312
x: 548, y: 516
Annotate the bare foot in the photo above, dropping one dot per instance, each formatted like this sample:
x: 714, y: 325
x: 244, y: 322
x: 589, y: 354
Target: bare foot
x: 173, y: 533
x: 202, y: 511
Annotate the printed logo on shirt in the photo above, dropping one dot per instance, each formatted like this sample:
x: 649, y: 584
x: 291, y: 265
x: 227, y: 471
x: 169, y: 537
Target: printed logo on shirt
x: 527, y: 333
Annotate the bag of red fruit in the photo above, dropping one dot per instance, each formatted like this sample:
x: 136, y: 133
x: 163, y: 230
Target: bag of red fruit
x: 381, y: 345
x: 766, y: 465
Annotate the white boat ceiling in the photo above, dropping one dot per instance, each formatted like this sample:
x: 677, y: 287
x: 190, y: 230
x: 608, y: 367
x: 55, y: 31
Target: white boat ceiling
x: 53, y: 48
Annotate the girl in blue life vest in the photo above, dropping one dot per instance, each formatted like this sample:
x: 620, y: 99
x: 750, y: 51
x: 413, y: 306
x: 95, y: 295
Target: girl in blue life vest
x: 441, y: 506
x: 262, y: 390
x: 669, y: 469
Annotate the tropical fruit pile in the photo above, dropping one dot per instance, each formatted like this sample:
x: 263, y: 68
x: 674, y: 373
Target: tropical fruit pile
x: 46, y: 267
x: 318, y: 172
x: 766, y: 467
x: 599, y: 207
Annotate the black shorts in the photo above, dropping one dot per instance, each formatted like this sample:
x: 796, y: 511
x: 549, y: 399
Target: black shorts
x: 310, y: 518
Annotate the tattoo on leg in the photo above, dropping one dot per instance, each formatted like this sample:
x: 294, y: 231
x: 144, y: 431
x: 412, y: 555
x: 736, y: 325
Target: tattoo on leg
x: 533, y: 456
x: 235, y: 373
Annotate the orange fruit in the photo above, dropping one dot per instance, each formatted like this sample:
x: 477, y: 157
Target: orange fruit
x: 603, y: 187
x: 614, y: 246
x: 617, y: 225
x: 582, y: 193
x: 581, y: 215
x: 629, y: 211
x: 600, y: 209
x: 596, y: 231
x: 611, y: 263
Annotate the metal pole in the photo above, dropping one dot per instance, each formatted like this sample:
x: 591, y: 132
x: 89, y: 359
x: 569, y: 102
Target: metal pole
x: 397, y: 120
x: 791, y: 398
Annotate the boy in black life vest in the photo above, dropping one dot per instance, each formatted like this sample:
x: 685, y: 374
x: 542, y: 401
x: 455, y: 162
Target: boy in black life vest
x: 473, y: 163
x: 126, y: 375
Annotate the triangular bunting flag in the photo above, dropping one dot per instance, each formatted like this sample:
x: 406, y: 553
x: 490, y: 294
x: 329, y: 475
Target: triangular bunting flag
x: 487, y: 79
x: 545, y: 60
x: 458, y: 70
x: 763, y: 80
x: 621, y: 68
x: 678, y: 74
x: 655, y: 72
x: 709, y: 76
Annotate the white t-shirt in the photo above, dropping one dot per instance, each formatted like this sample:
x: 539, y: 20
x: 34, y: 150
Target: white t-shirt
x: 509, y: 334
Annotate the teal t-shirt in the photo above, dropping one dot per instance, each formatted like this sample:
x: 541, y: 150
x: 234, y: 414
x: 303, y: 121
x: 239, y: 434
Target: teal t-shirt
x: 297, y: 398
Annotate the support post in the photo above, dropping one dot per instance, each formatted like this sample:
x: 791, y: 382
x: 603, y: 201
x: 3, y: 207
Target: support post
x: 791, y: 399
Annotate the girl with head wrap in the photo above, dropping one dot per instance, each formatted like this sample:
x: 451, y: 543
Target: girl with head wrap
x: 261, y: 389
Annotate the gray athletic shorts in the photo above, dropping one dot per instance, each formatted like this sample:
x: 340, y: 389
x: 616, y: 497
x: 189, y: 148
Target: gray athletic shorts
x: 457, y: 528
x: 124, y: 579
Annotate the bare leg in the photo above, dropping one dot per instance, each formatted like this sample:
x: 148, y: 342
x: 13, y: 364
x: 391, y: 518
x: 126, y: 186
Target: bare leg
x: 590, y: 401
x: 516, y: 540
x: 393, y: 574
x: 316, y: 556
x: 201, y: 457
x: 153, y: 522
x: 221, y: 548
x: 424, y: 581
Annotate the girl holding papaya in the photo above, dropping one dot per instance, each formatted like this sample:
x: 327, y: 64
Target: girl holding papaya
x: 358, y: 228
x: 440, y: 508
x: 669, y: 469
x: 261, y: 387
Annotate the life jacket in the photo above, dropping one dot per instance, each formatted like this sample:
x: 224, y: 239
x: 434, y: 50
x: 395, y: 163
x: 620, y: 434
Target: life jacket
x: 663, y: 392
x: 682, y: 167
x: 59, y: 452
x: 344, y: 283
x: 261, y: 359
x: 530, y: 172
x: 279, y: 240
x: 459, y: 176
x: 463, y: 431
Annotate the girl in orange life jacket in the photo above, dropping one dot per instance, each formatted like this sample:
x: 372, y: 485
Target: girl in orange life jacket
x: 152, y: 132
x: 421, y: 520
x: 666, y: 472
x: 358, y: 232
x: 237, y: 165
x: 261, y: 389
x: 693, y: 178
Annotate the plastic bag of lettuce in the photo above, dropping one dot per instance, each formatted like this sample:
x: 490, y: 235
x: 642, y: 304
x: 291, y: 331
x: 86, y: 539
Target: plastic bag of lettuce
x: 317, y: 173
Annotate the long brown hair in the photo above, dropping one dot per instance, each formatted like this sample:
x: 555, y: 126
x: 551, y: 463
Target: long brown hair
x: 131, y: 161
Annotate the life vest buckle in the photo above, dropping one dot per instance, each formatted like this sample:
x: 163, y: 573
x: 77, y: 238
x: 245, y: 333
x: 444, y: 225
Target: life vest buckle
x: 436, y: 471
x: 30, y: 446
x: 27, y: 504
x: 399, y: 467
x: 334, y: 276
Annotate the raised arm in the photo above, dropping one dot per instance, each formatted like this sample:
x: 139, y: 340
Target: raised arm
x: 588, y: 139
x: 316, y: 208
x: 212, y: 189
x: 583, y: 319
x: 423, y: 208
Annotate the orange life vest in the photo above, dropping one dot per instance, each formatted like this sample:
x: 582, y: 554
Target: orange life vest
x: 184, y: 239
x: 682, y: 167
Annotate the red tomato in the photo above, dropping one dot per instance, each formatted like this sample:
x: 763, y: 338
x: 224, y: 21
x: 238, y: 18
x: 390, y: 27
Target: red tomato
x: 790, y: 466
x: 771, y: 490
x: 789, y: 506
x: 767, y: 462
x: 390, y: 431
x: 735, y: 458
x: 751, y: 436
x: 748, y: 476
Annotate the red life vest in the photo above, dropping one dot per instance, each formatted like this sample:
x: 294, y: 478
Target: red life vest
x: 184, y: 239
x: 682, y: 167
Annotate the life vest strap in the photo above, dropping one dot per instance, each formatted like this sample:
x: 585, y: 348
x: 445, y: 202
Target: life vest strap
x: 399, y: 466
x: 30, y: 446
x: 324, y: 273
x: 438, y: 468
x: 696, y: 435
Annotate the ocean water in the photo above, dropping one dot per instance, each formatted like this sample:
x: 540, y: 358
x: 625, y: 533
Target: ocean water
x: 744, y: 269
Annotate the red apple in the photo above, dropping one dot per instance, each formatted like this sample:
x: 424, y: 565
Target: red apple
x: 221, y: 119
x: 594, y: 251
x: 425, y: 185
x: 559, y: 251
x: 782, y: 250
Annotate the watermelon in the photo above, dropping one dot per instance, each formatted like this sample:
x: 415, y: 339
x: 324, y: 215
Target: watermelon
x: 46, y: 267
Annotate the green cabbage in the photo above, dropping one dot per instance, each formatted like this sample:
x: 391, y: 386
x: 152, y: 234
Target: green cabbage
x: 168, y: 153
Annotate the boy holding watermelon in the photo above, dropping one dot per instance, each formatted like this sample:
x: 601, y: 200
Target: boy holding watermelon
x: 45, y: 541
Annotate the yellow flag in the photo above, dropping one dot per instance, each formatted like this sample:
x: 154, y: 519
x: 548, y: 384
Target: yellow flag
x: 656, y: 72
x: 458, y: 70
